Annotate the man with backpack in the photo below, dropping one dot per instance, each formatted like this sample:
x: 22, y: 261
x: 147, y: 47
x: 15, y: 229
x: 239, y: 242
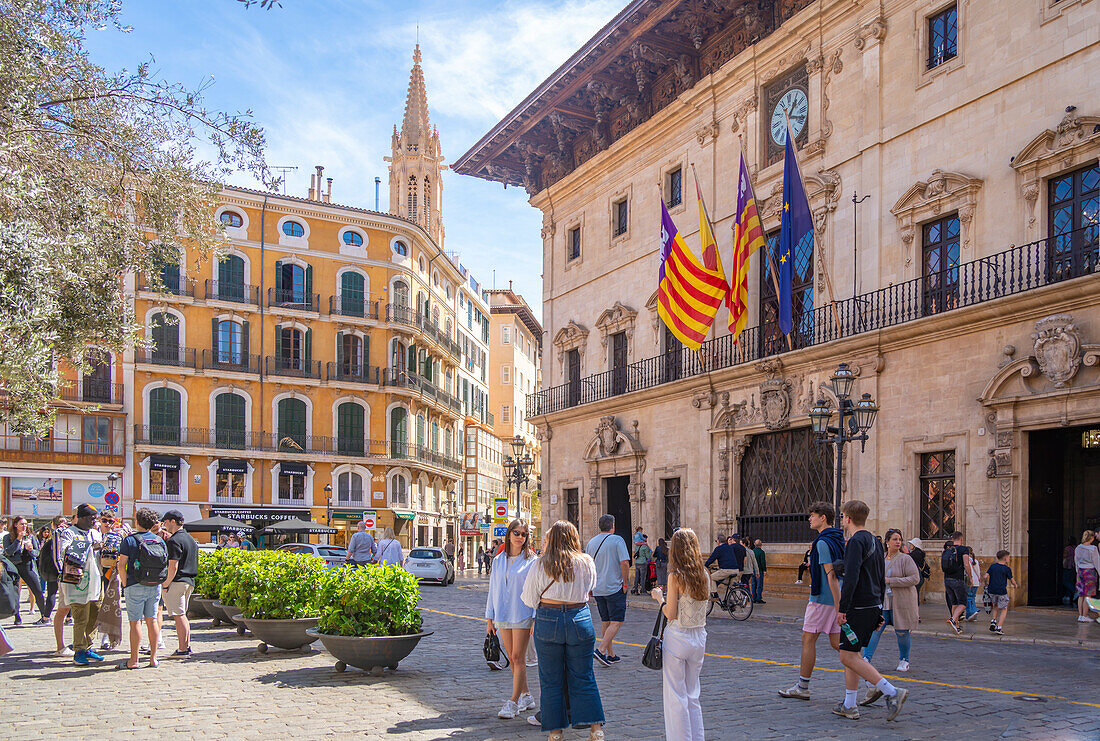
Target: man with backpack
x: 76, y: 550
x: 143, y: 567
x: 955, y: 563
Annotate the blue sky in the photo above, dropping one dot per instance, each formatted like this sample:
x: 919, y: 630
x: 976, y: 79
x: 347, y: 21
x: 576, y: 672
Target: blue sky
x: 327, y: 81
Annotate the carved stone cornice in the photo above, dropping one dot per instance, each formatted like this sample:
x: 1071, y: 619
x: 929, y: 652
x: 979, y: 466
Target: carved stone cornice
x: 619, y: 318
x: 1074, y: 142
x: 870, y: 34
x: 925, y: 200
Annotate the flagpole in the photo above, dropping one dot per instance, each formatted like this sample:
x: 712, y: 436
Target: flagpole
x: 813, y: 227
x: 710, y: 230
x: 698, y: 353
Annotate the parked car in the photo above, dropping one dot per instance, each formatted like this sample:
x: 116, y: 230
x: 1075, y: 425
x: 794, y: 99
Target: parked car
x: 430, y: 564
x: 335, y: 556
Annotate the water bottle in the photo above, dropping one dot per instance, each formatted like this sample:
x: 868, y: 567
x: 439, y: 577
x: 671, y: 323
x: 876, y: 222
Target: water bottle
x: 849, y: 634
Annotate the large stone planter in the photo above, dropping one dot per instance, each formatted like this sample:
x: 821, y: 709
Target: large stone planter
x: 221, y: 613
x: 368, y: 653
x: 287, y: 634
x: 196, y: 607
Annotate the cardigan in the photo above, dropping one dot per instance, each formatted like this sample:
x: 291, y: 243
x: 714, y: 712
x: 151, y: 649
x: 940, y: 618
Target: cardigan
x: 506, y: 581
x: 902, y: 578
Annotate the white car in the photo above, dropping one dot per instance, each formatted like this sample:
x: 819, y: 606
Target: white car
x: 430, y: 564
x: 335, y: 556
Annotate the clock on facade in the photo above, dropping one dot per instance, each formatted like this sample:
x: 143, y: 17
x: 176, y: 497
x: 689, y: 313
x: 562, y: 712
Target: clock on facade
x: 788, y: 93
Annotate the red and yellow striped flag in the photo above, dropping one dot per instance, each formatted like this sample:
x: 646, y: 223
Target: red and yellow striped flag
x: 748, y: 237
x: 688, y: 293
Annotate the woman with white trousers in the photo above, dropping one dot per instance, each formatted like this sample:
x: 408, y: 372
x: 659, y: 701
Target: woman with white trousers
x: 685, y: 637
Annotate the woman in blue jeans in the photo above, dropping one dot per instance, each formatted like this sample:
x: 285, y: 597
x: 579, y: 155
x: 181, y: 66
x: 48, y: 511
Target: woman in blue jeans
x: 557, y: 587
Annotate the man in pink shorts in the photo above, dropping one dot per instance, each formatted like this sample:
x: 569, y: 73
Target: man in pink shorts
x: 820, y: 617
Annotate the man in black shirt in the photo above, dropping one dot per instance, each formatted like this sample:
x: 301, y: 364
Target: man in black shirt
x: 860, y: 613
x: 183, y: 567
x: 955, y: 563
x: 730, y: 558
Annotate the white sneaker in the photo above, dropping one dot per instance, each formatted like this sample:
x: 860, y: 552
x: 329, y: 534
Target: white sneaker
x: 526, y: 702
x: 1083, y: 619
x: 64, y: 652
x: 903, y: 666
x: 797, y: 581
x: 534, y: 720
x: 508, y: 711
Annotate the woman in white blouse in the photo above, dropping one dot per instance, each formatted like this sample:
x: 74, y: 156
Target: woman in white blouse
x: 558, y: 587
x: 685, y: 639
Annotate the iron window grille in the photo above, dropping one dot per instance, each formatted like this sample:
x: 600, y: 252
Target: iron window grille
x: 619, y: 209
x: 943, y: 36
x: 675, y: 188
x: 937, y: 494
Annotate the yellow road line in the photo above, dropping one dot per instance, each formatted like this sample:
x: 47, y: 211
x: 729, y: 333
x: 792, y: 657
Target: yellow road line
x: 891, y: 677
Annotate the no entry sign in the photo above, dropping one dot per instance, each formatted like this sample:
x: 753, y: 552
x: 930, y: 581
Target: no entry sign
x: 369, y: 518
x: 500, y: 511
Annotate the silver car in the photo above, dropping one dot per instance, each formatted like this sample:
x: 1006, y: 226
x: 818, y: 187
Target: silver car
x: 430, y: 564
x: 335, y: 556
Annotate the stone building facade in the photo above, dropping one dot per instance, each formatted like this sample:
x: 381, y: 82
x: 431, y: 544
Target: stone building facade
x: 963, y: 291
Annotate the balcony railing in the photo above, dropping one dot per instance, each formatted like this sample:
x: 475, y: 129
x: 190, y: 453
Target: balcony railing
x: 93, y: 391
x: 179, y: 357
x: 1016, y: 270
x: 353, y: 374
x: 344, y: 305
x: 406, y: 315
x: 291, y: 299
x: 228, y: 361
x: 181, y: 287
x: 406, y: 379
x: 238, y: 440
x: 164, y: 496
x: 60, y: 450
x: 237, y: 293
x: 293, y: 367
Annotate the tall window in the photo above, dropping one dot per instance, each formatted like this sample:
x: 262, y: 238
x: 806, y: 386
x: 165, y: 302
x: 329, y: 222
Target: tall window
x: 164, y: 415
x: 573, y: 244
x: 166, y: 338
x: 292, y: 283
x: 782, y: 473
x: 506, y: 335
x: 350, y: 488
x: 674, y: 187
x: 672, y: 505
x: 231, y: 278
x: 943, y: 36
x: 618, y: 218
x: 230, y: 342
x: 448, y: 442
x: 802, y: 296
x: 400, y: 491
x: 229, y: 420
x: 164, y: 485
x: 412, y: 197
x: 97, y: 435
x: 937, y: 494
x: 941, y: 264
x: 427, y: 202
x: 505, y: 414
x: 421, y: 431
x: 1074, y: 221
x: 401, y: 294
x: 573, y: 506
x: 618, y: 363
x: 97, y: 381
x: 349, y: 354
x: 573, y: 375
x: 292, y: 424
x: 399, y: 432
x: 673, y: 361
x: 352, y: 292
x: 292, y: 348
x: 292, y: 486
x: 350, y: 436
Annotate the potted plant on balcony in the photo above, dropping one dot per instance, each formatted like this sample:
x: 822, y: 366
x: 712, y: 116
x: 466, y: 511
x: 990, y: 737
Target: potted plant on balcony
x: 279, y: 591
x: 369, y: 617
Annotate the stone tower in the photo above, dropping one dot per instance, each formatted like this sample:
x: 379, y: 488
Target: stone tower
x: 416, y: 164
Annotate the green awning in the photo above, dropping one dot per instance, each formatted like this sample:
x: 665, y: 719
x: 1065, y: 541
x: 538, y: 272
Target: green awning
x: 404, y: 514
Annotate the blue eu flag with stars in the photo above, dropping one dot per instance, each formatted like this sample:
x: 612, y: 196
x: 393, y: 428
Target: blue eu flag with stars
x: 797, y: 223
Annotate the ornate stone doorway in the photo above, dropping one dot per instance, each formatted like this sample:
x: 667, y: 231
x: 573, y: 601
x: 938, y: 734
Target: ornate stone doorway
x: 1063, y: 500
x: 617, y: 498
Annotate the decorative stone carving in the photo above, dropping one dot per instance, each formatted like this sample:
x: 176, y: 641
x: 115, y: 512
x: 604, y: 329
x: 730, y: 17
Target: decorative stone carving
x: 701, y: 399
x: 651, y: 307
x: 775, y: 401
x: 871, y: 33
x: 723, y: 474
x: 1006, y: 355
x: 1004, y: 438
x: 606, y: 434
x: 942, y: 192
x: 834, y: 67
x: 708, y: 132
x: 1006, y: 513
x: 1057, y: 348
x: 741, y: 114
x: 572, y: 336
x: 619, y: 318
x: 740, y: 445
x: 991, y: 469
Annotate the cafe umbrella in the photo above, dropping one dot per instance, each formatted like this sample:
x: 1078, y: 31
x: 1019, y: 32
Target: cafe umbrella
x: 215, y: 525
x: 298, y: 527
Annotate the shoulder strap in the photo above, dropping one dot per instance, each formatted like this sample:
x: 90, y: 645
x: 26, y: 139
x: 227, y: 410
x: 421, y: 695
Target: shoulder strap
x: 600, y: 546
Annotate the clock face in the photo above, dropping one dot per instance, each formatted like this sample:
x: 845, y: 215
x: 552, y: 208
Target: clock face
x: 797, y: 106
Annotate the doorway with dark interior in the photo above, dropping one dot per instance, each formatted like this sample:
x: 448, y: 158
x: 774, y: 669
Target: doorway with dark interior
x: 618, y: 504
x: 1063, y: 501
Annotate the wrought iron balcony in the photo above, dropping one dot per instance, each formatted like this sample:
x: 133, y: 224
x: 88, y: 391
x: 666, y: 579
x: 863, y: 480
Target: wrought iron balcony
x: 292, y: 367
x: 182, y: 286
x: 179, y: 357
x: 61, y: 450
x: 344, y: 305
x: 93, y: 391
x: 409, y: 380
x: 353, y: 374
x: 285, y: 298
x: 401, y: 314
x: 227, y: 361
x: 237, y: 293
x: 1016, y: 270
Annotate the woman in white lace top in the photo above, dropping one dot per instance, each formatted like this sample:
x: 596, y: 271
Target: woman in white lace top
x: 685, y: 638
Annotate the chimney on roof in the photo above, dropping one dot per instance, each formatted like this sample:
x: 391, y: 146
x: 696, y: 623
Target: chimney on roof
x: 509, y: 286
x: 320, y: 177
x: 312, y: 186
x: 328, y: 193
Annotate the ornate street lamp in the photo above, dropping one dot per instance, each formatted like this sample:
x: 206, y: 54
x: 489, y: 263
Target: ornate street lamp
x: 854, y: 421
x: 328, y: 504
x: 518, y: 469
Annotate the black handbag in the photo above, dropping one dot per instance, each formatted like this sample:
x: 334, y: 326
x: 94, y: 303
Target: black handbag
x: 652, y: 656
x: 494, y: 657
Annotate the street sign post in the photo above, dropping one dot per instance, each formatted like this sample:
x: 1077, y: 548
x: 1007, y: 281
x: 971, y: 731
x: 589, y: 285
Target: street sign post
x: 369, y: 517
x: 500, y: 511
x: 500, y: 531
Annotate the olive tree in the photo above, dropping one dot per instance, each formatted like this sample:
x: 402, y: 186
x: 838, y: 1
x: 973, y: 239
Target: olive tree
x: 102, y: 175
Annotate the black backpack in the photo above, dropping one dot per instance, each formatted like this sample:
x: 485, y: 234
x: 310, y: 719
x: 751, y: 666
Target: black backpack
x: 951, y: 561
x: 151, y: 561
x: 47, y: 564
x: 922, y: 563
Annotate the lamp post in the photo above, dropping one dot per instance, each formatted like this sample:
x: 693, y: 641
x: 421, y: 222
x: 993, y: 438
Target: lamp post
x: 112, y: 481
x: 854, y: 421
x: 518, y: 469
x: 328, y: 504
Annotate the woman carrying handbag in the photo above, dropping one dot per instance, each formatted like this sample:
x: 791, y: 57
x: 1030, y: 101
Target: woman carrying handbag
x: 507, y: 615
x: 685, y: 636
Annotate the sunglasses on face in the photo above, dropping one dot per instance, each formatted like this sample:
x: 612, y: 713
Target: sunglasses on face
x: 517, y: 532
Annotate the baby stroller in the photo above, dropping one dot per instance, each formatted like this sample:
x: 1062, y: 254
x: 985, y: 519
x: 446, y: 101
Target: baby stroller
x: 650, y: 576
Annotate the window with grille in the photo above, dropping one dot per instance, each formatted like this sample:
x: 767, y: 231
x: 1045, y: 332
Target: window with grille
x: 1074, y: 224
x: 782, y: 473
x: 674, y: 187
x: 937, y: 494
x: 943, y: 36
x: 941, y: 264
x: 573, y: 506
x: 619, y: 218
x: 802, y: 296
x: 672, y: 505
x: 573, y: 243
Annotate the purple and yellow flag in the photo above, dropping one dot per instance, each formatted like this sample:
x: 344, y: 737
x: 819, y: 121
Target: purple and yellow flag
x: 748, y: 237
x: 688, y: 293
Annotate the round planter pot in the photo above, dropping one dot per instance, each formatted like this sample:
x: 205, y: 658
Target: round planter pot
x: 368, y: 653
x: 286, y: 634
x: 196, y: 607
x: 223, y: 614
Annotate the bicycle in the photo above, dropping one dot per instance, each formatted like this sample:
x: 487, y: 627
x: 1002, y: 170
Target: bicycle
x: 737, y: 600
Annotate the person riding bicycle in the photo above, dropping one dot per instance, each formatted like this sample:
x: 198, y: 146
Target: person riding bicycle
x: 730, y: 558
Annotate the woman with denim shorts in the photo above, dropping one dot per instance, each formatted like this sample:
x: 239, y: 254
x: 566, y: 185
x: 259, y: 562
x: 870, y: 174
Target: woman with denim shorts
x: 558, y: 587
x: 508, y: 616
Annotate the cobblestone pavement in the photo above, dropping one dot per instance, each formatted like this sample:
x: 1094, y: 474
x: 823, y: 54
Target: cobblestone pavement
x: 970, y: 690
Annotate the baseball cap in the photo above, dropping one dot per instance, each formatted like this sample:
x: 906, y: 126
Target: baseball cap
x: 86, y: 509
x: 173, y: 514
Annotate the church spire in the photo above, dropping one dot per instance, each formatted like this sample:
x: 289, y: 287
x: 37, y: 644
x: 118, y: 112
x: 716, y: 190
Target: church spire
x: 415, y: 128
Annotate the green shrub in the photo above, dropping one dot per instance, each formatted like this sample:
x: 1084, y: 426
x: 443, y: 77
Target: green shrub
x: 277, y: 585
x: 369, y: 601
x: 214, y: 569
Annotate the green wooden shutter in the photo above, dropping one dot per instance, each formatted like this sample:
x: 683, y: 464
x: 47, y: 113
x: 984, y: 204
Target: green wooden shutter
x: 278, y: 276
x: 309, y: 286
x: 244, y: 342
x: 309, y: 349
x: 229, y: 420
x: 340, y: 351
x: 278, y: 340
x: 164, y: 415
x: 214, y: 336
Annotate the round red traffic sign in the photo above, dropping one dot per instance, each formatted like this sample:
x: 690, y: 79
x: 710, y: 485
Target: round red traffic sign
x: 502, y: 511
x: 111, y: 497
